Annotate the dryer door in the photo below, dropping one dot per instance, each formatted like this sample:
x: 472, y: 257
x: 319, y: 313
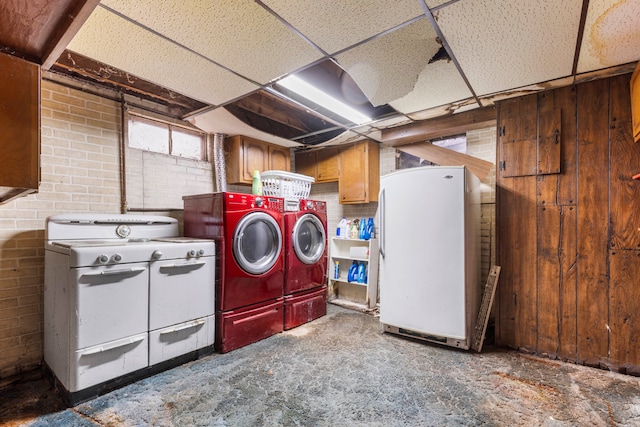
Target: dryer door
x: 308, y: 239
x: 257, y: 242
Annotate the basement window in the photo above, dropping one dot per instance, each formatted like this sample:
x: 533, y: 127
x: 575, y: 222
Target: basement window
x: 164, y: 137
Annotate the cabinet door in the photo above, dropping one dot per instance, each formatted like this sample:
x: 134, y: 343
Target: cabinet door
x: 254, y: 157
x: 549, y: 137
x: 19, y: 127
x: 327, y: 165
x: 359, y: 170
x: 279, y: 158
x: 353, y: 174
x: 320, y: 164
x: 517, y: 138
x: 306, y: 163
x: 528, y: 142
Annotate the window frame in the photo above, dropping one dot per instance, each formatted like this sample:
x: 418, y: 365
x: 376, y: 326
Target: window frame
x: 170, y: 125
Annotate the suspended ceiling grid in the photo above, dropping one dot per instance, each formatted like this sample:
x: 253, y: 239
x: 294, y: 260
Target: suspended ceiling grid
x: 217, y: 52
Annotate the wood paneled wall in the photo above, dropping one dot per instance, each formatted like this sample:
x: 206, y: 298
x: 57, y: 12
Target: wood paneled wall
x: 569, y: 242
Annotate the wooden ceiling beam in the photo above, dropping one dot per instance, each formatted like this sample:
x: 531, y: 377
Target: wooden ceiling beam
x: 76, y: 65
x: 439, y: 127
x: 68, y: 27
x: 445, y: 157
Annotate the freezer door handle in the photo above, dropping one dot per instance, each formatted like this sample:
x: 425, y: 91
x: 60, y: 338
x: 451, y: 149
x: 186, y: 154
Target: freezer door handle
x: 381, y: 197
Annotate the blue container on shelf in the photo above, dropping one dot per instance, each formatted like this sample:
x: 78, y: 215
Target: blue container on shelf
x: 352, y: 275
x: 361, y: 273
x: 370, y: 229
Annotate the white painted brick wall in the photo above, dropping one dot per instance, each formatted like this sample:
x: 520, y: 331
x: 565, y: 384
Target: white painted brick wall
x: 158, y: 181
x: 80, y: 168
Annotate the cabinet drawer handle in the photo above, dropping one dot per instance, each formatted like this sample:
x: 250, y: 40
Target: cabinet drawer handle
x: 117, y: 272
x: 185, y: 264
x: 189, y: 325
x: 107, y: 347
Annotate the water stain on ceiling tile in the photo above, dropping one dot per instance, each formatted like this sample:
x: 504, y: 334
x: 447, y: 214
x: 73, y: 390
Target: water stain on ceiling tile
x: 612, y: 35
x: 504, y: 45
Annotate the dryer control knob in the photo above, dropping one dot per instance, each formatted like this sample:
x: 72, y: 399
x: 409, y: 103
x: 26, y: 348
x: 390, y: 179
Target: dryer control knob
x: 156, y: 255
x: 103, y: 259
x: 192, y: 253
x: 201, y: 252
x: 117, y: 257
x: 259, y: 202
x: 309, y: 205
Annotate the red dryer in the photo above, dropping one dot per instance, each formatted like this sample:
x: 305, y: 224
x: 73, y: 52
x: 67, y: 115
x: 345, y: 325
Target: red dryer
x: 305, y: 290
x: 248, y: 231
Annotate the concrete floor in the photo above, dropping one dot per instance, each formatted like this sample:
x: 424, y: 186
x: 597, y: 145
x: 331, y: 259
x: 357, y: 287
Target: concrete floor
x: 340, y: 370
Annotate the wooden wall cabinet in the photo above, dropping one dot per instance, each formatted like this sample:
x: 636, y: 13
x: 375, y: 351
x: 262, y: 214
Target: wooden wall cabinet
x: 321, y: 164
x: 245, y: 155
x: 19, y: 127
x: 635, y: 102
x: 529, y: 144
x: 359, y: 168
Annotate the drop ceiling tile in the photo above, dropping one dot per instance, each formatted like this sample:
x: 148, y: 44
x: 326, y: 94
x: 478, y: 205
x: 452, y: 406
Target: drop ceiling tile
x: 237, y: 34
x: 374, y: 134
x: 113, y: 40
x: 444, y: 110
x: 439, y: 83
x: 344, y: 138
x: 336, y: 25
x: 220, y: 120
x: 387, y: 68
x: 611, y: 36
x: 435, y: 3
x: 367, y: 131
x: 501, y: 46
x: 526, y: 90
x: 392, y: 122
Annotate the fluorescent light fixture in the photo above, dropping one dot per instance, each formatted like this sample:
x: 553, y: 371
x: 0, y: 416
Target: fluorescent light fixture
x: 313, y: 94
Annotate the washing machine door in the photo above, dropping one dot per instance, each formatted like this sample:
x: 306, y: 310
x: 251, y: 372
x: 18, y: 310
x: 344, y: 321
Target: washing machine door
x: 308, y: 239
x: 257, y: 242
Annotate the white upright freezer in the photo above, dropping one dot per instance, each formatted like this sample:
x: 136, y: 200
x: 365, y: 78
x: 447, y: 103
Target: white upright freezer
x: 429, y: 221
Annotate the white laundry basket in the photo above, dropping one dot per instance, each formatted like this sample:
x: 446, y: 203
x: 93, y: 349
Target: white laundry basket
x: 289, y: 185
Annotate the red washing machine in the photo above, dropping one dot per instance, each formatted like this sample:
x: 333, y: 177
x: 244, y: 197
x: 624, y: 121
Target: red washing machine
x: 305, y: 290
x: 248, y: 231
